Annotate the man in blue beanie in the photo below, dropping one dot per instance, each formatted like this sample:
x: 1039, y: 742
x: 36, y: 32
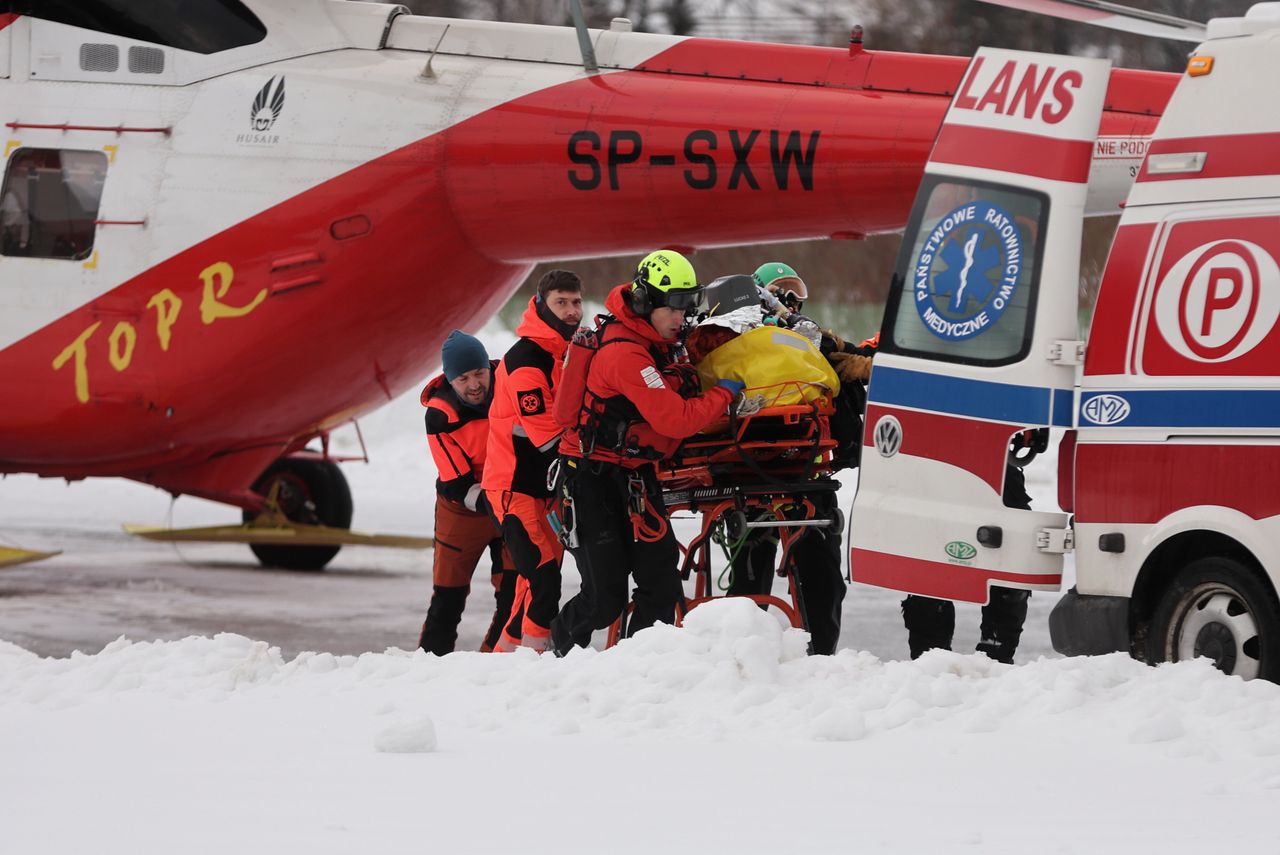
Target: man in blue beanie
x: 463, y: 354
x: 457, y: 403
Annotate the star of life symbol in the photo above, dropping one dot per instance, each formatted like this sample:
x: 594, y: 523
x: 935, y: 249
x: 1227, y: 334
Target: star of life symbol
x: 967, y: 270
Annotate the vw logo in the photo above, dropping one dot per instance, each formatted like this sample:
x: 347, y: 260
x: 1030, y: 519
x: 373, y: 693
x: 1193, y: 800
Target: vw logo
x: 1105, y: 409
x: 887, y: 436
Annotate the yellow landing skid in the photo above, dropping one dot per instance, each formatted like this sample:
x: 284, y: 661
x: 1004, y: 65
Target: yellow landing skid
x: 9, y: 556
x: 273, y: 528
x: 278, y: 534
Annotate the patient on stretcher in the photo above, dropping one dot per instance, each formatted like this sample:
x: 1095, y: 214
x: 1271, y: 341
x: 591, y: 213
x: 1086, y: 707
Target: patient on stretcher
x: 779, y: 366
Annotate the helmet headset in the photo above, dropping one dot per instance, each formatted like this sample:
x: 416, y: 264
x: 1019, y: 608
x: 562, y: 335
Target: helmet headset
x: 665, y: 279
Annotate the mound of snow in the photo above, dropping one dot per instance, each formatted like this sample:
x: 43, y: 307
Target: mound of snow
x: 407, y: 737
x: 224, y: 739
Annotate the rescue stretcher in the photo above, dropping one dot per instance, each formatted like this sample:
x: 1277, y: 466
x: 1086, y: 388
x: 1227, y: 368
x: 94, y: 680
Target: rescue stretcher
x: 752, y: 471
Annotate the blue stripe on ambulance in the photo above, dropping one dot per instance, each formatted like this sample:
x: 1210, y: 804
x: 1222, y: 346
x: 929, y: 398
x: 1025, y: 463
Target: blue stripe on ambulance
x: 979, y: 399
x: 1181, y: 408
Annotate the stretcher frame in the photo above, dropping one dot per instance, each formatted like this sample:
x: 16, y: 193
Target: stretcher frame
x: 746, y: 472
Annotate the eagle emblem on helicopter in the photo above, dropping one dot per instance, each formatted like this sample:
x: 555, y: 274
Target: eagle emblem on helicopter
x: 265, y: 112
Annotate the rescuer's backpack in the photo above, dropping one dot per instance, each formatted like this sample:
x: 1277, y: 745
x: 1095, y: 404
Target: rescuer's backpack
x: 572, y: 391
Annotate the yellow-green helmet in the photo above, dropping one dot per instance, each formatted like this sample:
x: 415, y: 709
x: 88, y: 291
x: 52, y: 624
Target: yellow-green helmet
x: 665, y: 278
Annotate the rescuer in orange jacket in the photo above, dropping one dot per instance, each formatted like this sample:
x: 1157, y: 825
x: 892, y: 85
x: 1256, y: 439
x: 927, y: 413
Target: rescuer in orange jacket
x: 523, y: 436
x: 457, y: 403
x: 634, y: 414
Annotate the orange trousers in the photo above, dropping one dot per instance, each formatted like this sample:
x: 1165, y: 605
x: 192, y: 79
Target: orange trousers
x: 537, y: 553
x: 462, y: 537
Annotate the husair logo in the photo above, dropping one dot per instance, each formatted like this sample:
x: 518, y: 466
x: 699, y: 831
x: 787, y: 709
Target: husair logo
x: 264, y: 113
x: 961, y: 551
x: 267, y: 105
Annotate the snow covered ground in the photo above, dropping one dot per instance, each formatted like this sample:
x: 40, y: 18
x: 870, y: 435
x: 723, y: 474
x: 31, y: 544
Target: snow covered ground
x: 192, y: 735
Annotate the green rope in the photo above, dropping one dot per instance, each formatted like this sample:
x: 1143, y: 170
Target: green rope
x: 731, y: 550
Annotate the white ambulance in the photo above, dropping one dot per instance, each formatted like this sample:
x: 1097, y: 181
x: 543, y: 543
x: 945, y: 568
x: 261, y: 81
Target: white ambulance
x: 1169, y: 469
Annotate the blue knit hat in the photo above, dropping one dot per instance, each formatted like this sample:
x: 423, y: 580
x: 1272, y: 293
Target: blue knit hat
x: 462, y: 353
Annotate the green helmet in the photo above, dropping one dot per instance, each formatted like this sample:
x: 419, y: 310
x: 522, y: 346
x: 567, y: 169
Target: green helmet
x: 783, y: 280
x: 665, y: 278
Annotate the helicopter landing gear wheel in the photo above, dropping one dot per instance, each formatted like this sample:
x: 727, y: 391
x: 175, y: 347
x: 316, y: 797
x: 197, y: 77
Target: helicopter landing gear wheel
x: 312, y: 492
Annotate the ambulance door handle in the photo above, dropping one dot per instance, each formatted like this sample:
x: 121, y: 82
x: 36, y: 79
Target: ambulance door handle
x: 991, y: 536
x: 1055, y: 540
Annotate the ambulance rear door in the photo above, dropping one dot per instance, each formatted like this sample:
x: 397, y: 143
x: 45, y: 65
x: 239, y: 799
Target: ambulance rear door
x: 980, y: 334
x: 6, y: 41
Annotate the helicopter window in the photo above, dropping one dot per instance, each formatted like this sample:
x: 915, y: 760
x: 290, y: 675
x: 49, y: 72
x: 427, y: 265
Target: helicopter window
x: 965, y: 285
x: 202, y: 26
x: 49, y: 203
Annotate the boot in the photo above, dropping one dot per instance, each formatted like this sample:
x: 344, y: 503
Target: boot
x: 504, y: 592
x: 1002, y: 619
x: 561, y: 642
x: 535, y: 637
x: 440, y: 629
x: 930, y: 623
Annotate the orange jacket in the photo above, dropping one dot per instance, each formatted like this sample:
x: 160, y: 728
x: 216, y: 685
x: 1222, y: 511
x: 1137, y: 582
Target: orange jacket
x: 457, y: 435
x: 522, y: 431
x: 631, y: 376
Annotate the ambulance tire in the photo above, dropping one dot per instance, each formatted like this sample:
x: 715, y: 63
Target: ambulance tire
x: 313, y: 492
x: 1218, y: 608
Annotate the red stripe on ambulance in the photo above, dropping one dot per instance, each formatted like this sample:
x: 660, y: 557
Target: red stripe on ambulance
x: 1234, y: 156
x: 1012, y: 151
x: 960, y: 442
x: 1134, y: 483
x: 940, y: 579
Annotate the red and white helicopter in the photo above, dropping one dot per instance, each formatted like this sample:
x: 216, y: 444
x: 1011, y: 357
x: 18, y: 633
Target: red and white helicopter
x: 239, y: 224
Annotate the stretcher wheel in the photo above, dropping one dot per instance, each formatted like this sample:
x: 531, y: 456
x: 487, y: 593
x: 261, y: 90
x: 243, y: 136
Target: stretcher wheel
x: 735, y: 525
x: 837, y: 519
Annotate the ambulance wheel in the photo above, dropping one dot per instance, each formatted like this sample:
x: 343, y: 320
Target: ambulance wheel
x: 1218, y: 608
x: 312, y: 492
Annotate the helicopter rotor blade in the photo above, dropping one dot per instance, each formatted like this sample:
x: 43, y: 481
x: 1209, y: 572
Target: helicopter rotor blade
x: 1115, y: 16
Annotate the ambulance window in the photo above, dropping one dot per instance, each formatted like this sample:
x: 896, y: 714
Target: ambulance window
x: 49, y: 202
x: 965, y: 285
x: 202, y: 26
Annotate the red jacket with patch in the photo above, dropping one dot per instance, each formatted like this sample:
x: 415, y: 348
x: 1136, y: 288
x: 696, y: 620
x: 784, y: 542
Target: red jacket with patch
x: 457, y: 435
x: 523, y: 433
x: 627, y: 375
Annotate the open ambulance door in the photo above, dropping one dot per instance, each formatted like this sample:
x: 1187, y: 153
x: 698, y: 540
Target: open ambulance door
x: 979, y: 336
x: 6, y: 42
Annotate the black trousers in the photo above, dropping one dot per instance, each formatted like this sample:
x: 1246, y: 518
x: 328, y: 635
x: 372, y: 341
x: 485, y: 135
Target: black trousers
x: 608, y: 552
x: 931, y: 623
x: 815, y: 561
